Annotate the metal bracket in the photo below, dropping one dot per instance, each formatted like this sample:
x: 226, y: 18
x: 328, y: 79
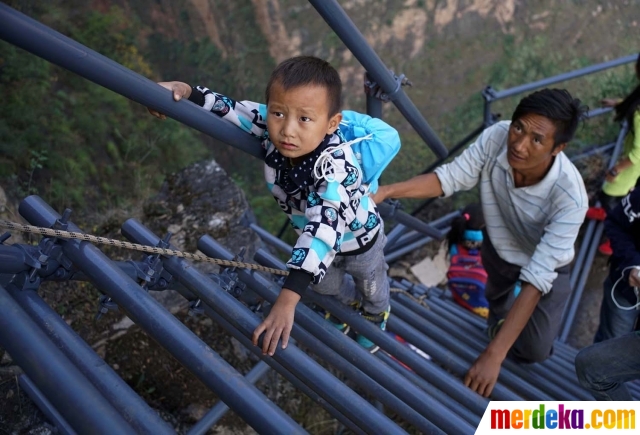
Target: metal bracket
x: 106, y: 305
x: 489, y: 94
x: 4, y: 237
x: 373, y: 89
x: 195, y: 308
x: 227, y: 279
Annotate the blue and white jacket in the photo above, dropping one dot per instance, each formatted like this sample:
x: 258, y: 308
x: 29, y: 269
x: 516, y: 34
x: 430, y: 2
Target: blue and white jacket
x: 332, y: 216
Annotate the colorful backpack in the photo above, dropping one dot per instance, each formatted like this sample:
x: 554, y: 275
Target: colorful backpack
x: 374, y: 143
x: 467, y: 279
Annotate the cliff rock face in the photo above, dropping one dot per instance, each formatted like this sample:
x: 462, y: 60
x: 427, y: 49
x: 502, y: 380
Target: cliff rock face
x: 199, y: 200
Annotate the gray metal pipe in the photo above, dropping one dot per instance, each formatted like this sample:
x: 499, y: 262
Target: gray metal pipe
x: 597, y: 150
x: 498, y: 95
x: 394, y: 255
x: 383, y: 396
x: 555, y: 370
x: 245, y: 399
x: 457, y: 361
x: 13, y: 259
x: 80, y: 404
x: 407, y: 236
x: 574, y: 302
x: 467, y: 414
x: 298, y: 383
x: 36, y: 38
x: 394, y: 235
x: 347, y: 31
x: 374, y: 107
x: 387, y: 211
x: 429, y: 371
x: 465, y: 328
x: 220, y: 408
x: 428, y: 405
x: 531, y: 382
x: 45, y: 406
x: 272, y: 240
x: 330, y: 388
x: 437, y: 326
x: 133, y: 409
x: 598, y: 111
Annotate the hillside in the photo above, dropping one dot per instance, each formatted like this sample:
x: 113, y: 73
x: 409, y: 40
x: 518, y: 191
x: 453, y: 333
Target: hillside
x: 86, y: 146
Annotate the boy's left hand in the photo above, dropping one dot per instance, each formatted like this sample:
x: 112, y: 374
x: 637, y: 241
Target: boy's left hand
x: 278, y: 323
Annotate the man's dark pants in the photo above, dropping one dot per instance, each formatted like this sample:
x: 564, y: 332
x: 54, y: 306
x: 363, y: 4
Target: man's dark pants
x: 535, y: 343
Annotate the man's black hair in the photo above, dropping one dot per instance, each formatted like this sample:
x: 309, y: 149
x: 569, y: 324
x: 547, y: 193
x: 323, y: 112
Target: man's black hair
x: 558, y: 106
x: 628, y: 107
x: 308, y: 70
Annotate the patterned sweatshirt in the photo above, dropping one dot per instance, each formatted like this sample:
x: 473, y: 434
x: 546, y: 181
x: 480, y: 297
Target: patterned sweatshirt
x: 332, y: 215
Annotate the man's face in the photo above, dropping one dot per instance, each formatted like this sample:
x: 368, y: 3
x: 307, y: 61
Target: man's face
x: 298, y: 119
x: 530, y: 144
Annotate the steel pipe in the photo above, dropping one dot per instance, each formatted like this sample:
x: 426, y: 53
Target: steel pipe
x: 339, y: 21
x: 332, y: 390
x: 133, y: 409
x: 428, y: 406
x: 36, y: 38
x: 80, y: 403
x: 245, y: 399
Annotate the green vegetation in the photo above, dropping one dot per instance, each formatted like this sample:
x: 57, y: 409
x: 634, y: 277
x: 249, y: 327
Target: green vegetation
x: 82, y: 146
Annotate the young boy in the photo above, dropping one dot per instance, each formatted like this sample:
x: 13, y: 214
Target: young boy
x: 325, y: 202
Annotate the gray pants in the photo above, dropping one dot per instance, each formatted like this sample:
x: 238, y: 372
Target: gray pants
x: 368, y: 280
x: 535, y: 343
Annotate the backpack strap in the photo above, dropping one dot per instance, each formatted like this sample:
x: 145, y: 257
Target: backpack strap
x: 323, y: 167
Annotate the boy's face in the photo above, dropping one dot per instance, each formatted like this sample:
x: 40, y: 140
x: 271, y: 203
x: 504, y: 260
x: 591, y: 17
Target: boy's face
x: 298, y: 119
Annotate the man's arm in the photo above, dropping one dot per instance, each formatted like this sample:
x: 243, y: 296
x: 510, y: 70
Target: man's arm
x: 483, y: 374
x: 462, y: 173
x: 421, y: 186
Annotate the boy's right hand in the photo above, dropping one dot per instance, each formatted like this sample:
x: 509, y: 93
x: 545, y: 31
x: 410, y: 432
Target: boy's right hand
x: 180, y: 90
x: 278, y: 323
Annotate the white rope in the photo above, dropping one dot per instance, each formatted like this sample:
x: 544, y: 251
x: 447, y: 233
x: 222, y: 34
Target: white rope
x: 134, y: 246
x: 635, y: 290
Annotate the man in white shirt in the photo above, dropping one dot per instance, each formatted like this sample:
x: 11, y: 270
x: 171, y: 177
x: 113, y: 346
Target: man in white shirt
x: 534, y: 202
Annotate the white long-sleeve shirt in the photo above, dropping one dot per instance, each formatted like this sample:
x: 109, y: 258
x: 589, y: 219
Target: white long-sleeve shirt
x: 534, y: 227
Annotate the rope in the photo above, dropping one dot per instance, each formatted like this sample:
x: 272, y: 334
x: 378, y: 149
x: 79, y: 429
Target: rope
x: 134, y: 246
x: 419, y: 300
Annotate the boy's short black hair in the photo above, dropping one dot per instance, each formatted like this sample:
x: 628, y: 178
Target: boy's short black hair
x: 558, y: 106
x: 308, y: 70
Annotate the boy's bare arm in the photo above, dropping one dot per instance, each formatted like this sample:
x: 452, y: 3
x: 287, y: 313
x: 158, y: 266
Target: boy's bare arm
x: 278, y: 323
x: 180, y: 90
x: 422, y: 186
